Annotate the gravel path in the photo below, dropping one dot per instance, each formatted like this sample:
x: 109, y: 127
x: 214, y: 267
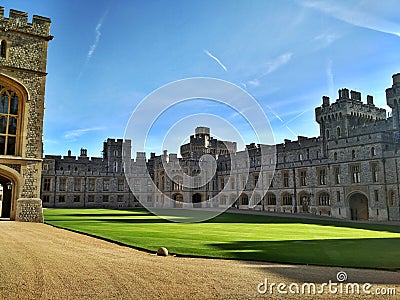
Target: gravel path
x: 38, y: 261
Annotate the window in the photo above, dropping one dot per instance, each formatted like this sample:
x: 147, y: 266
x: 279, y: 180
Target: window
x: 338, y: 133
x: 136, y: 184
x: 336, y: 171
x: 46, y: 198
x: 222, y: 200
x: 286, y: 199
x: 62, y: 185
x: 47, y: 184
x: 376, y: 195
x: 355, y: 174
x: 271, y: 199
x: 106, y: 185
x: 90, y: 198
x: 9, y: 121
x: 392, y: 198
x: 92, y: 184
x: 45, y: 167
x: 244, y: 200
x: 61, y: 198
x: 3, y: 49
x: 121, y: 185
x: 300, y: 156
x: 373, y: 151
x: 374, y: 171
x: 335, y: 156
x: 77, y: 198
x: 286, y: 179
x: 115, y: 167
x: 353, y: 154
x: 243, y: 178
x: 222, y: 182
x: 149, y: 185
x: 149, y: 198
x: 120, y: 198
x: 327, y: 134
x: 338, y: 196
x: 323, y: 199
x: 232, y: 179
x: 303, y: 178
x: 105, y: 198
x: 255, y: 178
x: 322, y: 176
x: 77, y: 184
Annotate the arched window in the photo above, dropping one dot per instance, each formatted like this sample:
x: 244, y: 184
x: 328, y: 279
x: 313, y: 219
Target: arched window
x: 373, y: 151
x: 271, y: 199
x: 327, y: 134
x: 10, y: 112
x: 338, y: 133
x: 115, y: 166
x: 335, y: 156
x: 353, y: 154
x: 3, y: 49
x: 323, y: 199
x: 286, y: 199
x: 244, y: 199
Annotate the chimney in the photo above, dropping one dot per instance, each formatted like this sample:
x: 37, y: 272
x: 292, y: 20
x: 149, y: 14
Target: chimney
x: 325, y: 101
x: 69, y: 152
x: 370, y: 100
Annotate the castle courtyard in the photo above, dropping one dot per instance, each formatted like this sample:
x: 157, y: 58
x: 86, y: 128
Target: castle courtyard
x: 39, y: 261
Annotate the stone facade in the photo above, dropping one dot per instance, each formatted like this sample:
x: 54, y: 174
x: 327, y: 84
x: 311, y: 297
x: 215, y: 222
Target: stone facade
x: 23, y: 60
x: 350, y: 171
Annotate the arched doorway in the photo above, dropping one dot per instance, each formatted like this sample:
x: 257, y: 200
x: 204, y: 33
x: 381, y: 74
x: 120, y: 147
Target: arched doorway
x: 178, y: 197
x: 358, y: 206
x: 196, y: 200
x: 6, y: 197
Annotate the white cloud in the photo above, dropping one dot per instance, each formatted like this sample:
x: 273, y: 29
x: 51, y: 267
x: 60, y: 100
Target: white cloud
x: 329, y: 75
x: 97, y: 38
x: 73, y: 134
x: 277, y: 63
x: 255, y: 82
x: 325, y: 39
x: 356, y: 16
x: 215, y: 59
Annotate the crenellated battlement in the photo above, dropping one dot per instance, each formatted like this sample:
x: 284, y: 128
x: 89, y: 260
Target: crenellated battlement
x: 18, y: 21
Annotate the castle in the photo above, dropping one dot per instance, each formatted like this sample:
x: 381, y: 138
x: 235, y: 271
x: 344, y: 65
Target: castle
x: 350, y: 171
x: 23, y: 58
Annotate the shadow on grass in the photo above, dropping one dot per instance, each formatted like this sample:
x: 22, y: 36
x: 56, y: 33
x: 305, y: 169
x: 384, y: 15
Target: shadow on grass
x: 376, y: 253
x: 254, y: 219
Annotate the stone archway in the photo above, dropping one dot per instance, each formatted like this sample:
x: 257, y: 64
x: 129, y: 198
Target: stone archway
x: 196, y: 200
x: 358, y: 204
x: 11, y: 182
x: 178, y: 197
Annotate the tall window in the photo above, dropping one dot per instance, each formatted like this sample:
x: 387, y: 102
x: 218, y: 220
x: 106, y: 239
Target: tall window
x: 374, y: 171
x: 121, y: 185
x: 338, y: 133
x: 286, y: 179
x: 47, y: 184
x: 355, y: 174
x: 77, y: 184
x: 9, y: 121
x: 303, y: 178
x: 336, y: 171
x: 62, y: 185
x: 271, y: 199
x: 106, y: 184
x: 322, y: 176
x: 3, y: 49
x: 92, y: 184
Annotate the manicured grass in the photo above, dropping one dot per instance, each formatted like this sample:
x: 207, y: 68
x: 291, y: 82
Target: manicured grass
x: 240, y: 236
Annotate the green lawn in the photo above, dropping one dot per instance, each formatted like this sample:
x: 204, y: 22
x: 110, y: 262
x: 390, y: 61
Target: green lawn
x: 240, y: 236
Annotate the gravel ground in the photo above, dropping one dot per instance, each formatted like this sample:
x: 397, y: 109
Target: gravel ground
x: 38, y: 261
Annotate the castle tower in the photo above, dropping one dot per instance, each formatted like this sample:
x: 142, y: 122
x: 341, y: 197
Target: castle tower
x: 23, y: 59
x: 339, y: 119
x: 393, y: 100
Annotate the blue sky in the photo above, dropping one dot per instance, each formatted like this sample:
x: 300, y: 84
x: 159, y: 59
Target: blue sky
x: 108, y: 55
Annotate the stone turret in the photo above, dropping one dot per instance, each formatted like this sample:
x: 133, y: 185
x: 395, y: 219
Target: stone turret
x: 393, y: 100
